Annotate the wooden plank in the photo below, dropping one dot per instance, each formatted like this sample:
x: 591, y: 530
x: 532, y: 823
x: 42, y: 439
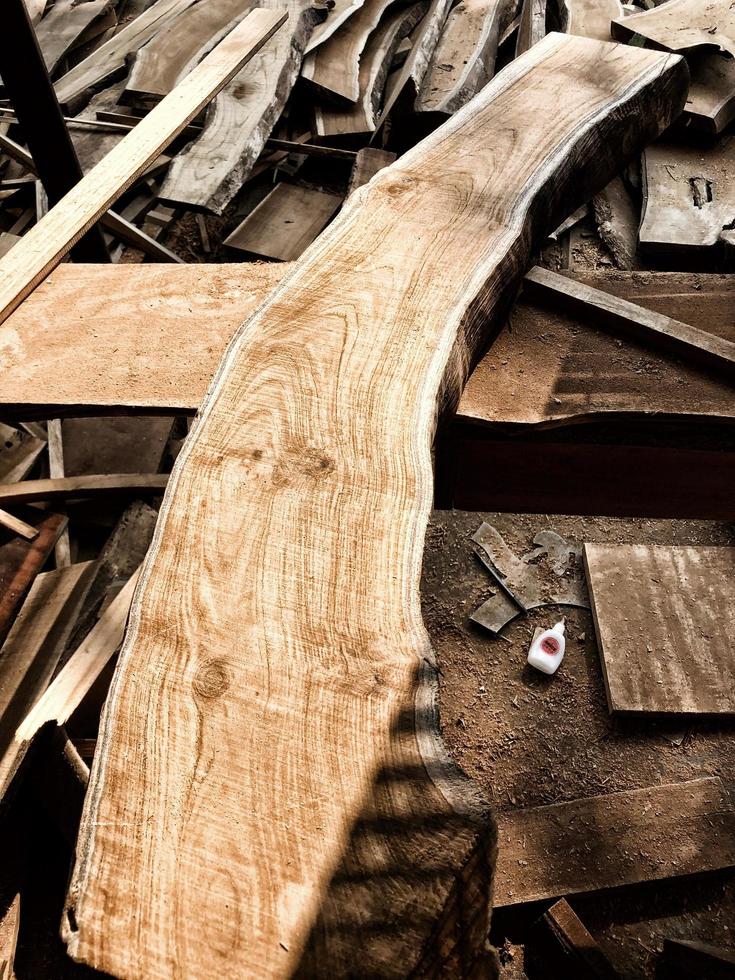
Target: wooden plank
x: 208, y: 173
x: 688, y: 197
x: 367, y: 164
x: 110, y: 57
x: 682, y: 26
x: 463, y: 61
x: 333, y: 68
x: 617, y: 839
x: 9, y: 926
x: 613, y: 313
x: 79, y: 487
x: 711, y: 103
x: 179, y: 46
x: 663, y: 618
x: 375, y: 63
x: 335, y: 19
x: 285, y: 223
x: 21, y: 561
x: 582, y: 956
x: 17, y: 526
x: 32, y: 651
x: 43, y: 247
x: 63, y: 25
x: 532, y: 26
x: 289, y: 775
x: 590, y: 18
x: 617, y: 219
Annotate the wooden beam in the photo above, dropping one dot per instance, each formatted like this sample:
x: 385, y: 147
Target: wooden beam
x: 79, y: 487
x: 271, y: 729
x: 43, y: 247
x: 613, y: 313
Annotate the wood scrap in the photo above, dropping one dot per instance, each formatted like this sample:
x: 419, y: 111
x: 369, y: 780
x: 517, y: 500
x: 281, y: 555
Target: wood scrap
x: 179, y: 46
x: 683, y: 26
x: 581, y: 956
x: 611, y: 312
x: 62, y: 548
x: 711, y: 103
x: 617, y: 839
x: 367, y: 164
x: 337, y: 15
x: 463, y: 61
x: 17, y: 526
x: 63, y: 25
x: 285, y: 223
x: 46, y: 243
x: 208, y: 173
x: 617, y: 221
x: 590, y: 18
x: 532, y: 26
x: 78, y: 487
x: 9, y: 926
x: 664, y: 625
x: 18, y: 450
x: 317, y: 433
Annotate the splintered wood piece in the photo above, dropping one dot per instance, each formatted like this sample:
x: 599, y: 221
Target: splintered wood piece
x: 711, y: 102
x: 208, y: 173
x: 683, y: 25
x: 367, y: 164
x: 333, y: 69
x: 688, y: 197
x: 21, y: 561
x: 78, y: 487
x: 532, y: 26
x: 583, y: 955
x: 32, y: 651
x: 110, y: 57
x: 617, y: 839
x: 664, y: 623
x: 9, y: 927
x: 610, y: 312
x: 62, y: 27
x: 464, y: 59
x: 285, y: 223
x: 617, y: 221
x: 271, y: 731
x: 375, y: 63
x: 17, y: 526
x: 181, y: 44
x: 590, y: 18
x: 44, y: 246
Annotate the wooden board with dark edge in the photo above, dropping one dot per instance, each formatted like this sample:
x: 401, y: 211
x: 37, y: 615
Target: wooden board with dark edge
x: 683, y: 26
x: 664, y: 621
x: 618, y: 839
x: 287, y: 797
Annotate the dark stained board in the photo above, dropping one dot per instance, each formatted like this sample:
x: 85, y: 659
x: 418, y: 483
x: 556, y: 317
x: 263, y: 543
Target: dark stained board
x: 617, y: 839
x: 664, y: 618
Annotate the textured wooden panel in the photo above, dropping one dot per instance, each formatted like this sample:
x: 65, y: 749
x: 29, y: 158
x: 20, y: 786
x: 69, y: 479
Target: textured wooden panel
x: 664, y: 619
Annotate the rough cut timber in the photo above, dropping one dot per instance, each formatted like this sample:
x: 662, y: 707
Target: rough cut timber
x: 664, y: 622
x: 336, y: 17
x: 683, y: 25
x: 208, y: 173
x: 169, y: 56
x: 618, y: 839
x: 578, y: 953
x: 270, y: 788
x: 590, y: 18
x: 532, y: 26
x: 44, y: 246
x: 688, y: 197
x: 367, y: 163
x: 63, y: 25
x: 711, y: 103
x: 464, y: 59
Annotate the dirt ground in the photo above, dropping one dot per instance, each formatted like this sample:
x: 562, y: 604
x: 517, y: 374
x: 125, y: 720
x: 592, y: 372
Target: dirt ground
x: 531, y: 740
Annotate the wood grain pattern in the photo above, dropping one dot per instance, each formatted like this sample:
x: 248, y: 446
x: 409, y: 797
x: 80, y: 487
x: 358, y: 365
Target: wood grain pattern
x: 711, y: 103
x: 663, y: 618
x: 367, y: 164
x: 285, y: 222
x: 63, y: 25
x: 463, y: 61
x: 337, y: 16
x: 168, y: 57
x: 43, y: 247
x: 208, y: 173
x: 618, y: 839
x: 269, y: 791
x: 683, y: 26
x: 590, y: 18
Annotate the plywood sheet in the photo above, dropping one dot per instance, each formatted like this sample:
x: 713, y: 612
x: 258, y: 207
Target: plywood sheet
x: 665, y: 619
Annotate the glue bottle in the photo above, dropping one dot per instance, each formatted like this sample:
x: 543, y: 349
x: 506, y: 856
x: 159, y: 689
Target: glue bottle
x: 547, y: 650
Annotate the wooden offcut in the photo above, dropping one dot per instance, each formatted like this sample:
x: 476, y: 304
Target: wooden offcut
x: 711, y: 102
x: 664, y: 623
x: 63, y: 25
x: 271, y: 729
x: 590, y: 18
x: 577, y: 948
x: 44, y: 246
x: 617, y: 839
x: 78, y: 487
x: 683, y: 26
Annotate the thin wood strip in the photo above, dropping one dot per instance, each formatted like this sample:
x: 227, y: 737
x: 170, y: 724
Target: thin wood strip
x: 78, y: 487
x: 17, y: 526
x: 43, y: 247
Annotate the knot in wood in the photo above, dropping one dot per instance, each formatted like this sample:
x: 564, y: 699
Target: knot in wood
x: 299, y: 463
x: 211, y: 679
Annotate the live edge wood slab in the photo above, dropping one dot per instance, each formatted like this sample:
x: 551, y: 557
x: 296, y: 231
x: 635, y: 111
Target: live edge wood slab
x: 270, y: 792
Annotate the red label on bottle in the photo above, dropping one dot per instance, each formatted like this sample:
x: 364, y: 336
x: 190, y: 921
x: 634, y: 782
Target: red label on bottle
x: 550, y: 645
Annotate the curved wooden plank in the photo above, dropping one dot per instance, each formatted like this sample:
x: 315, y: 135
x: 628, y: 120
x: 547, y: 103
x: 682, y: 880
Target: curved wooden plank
x: 77, y: 487
x: 270, y: 792
x: 683, y: 26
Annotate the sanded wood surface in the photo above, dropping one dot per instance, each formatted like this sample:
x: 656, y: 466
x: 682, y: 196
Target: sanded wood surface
x: 208, y: 173
x: 683, y: 25
x: 270, y: 733
x: 43, y: 247
x: 711, y: 102
x: 688, y: 197
x: 285, y: 223
x: 664, y: 621
x: 617, y: 839
x: 63, y: 25
x: 161, y: 63
x: 464, y: 59
x: 110, y: 57
x: 590, y: 18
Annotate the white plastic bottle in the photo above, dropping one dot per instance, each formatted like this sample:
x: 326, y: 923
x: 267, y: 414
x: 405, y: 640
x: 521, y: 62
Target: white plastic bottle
x: 547, y: 650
